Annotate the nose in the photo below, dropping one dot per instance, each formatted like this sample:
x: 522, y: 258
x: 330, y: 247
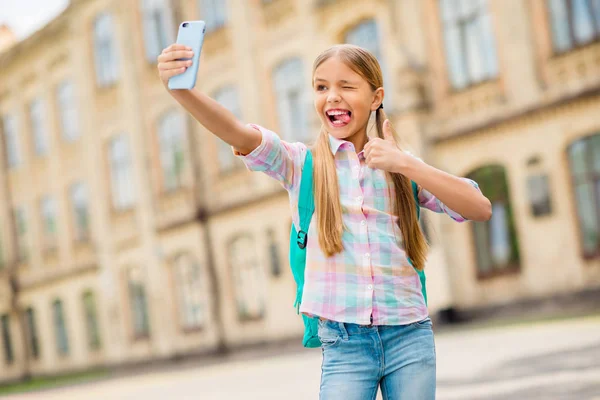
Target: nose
x: 333, y: 96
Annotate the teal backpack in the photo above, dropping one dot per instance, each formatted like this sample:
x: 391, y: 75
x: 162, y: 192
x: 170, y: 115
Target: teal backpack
x: 298, y: 241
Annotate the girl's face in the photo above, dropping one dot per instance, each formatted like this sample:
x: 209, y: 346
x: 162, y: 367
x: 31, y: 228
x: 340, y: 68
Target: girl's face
x: 343, y: 99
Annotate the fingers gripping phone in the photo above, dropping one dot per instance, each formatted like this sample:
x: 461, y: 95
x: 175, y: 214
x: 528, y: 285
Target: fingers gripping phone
x: 191, y: 33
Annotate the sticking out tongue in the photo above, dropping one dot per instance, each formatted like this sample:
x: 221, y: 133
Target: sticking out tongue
x: 345, y: 118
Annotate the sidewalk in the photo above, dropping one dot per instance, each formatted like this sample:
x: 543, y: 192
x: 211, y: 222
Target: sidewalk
x: 542, y: 361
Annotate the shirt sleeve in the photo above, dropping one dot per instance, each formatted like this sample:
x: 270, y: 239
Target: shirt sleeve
x: 281, y: 161
x: 430, y: 202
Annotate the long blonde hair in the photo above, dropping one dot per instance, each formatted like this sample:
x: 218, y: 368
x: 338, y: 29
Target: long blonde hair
x: 326, y: 188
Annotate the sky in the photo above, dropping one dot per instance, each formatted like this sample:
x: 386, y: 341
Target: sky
x: 26, y: 16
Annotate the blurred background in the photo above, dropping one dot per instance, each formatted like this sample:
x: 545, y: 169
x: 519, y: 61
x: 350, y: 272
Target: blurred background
x: 136, y: 251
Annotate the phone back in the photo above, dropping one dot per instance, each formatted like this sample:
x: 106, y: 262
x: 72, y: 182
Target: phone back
x: 191, y: 33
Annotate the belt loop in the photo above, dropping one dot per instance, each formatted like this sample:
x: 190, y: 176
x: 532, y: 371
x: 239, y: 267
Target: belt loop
x: 343, y: 330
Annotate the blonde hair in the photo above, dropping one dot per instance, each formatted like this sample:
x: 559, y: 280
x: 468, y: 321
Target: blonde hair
x: 326, y: 188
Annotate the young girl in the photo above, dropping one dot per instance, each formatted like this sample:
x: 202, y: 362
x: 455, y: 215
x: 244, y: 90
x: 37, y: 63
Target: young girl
x: 364, y: 242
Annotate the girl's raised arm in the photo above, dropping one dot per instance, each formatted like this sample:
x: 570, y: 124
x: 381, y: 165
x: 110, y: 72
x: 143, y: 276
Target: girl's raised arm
x: 213, y: 116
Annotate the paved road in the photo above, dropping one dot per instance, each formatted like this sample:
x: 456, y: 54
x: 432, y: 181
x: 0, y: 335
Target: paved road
x: 544, y: 361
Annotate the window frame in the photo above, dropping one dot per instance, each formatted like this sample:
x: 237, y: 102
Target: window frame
x: 228, y: 97
x: 37, y: 117
x: 158, y: 27
x: 68, y: 114
x: 137, y: 295
x: 573, y: 41
x: 33, y: 342
x: 90, y: 317
x: 14, y: 158
x: 172, y: 141
x: 214, y: 13
x: 7, y: 343
x: 80, y: 234
x: 60, y: 328
x: 189, y: 292
x: 121, y: 171
x: 49, y: 205
x: 20, y: 221
x: 378, y: 52
x: 462, y: 23
x: 590, y: 178
x: 105, y: 47
x: 235, y: 267
x: 282, y: 87
x: 512, y: 266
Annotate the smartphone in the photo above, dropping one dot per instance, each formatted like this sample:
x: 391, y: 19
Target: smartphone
x: 191, y: 33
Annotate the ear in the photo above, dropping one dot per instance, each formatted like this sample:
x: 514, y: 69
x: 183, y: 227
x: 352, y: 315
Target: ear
x: 377, y: 98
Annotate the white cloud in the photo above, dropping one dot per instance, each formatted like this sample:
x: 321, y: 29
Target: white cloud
x: 26, y: 16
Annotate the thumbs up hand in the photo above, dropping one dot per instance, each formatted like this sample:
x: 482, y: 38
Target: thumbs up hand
x: 384, y: 154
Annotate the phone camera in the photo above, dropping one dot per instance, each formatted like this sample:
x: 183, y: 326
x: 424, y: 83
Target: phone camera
x: 185, y: 24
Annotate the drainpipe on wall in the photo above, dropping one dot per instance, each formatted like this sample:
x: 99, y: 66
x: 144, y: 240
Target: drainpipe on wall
x: 13, y: 279
x: 200, y: 193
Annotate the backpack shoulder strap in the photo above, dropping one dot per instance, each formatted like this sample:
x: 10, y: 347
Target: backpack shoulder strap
x: 415, y: 190
x: 306, y: 200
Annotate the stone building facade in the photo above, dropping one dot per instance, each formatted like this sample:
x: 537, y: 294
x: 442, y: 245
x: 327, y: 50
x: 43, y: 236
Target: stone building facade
x: 129, y: 233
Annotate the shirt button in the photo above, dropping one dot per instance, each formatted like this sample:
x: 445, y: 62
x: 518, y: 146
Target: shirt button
x: 367, y: 255
x: 359, y: 199
x: 370, y: 287
x: 363, y: 222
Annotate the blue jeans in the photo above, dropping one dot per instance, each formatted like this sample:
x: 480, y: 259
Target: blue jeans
x: 357, y: 359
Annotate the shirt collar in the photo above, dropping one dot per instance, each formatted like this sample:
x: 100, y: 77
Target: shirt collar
x: 335, y: 144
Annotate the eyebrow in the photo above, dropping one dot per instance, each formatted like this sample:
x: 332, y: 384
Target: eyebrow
x: 341, y: 81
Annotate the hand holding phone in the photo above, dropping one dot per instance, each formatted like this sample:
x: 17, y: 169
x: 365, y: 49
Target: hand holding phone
x: 190, y: 35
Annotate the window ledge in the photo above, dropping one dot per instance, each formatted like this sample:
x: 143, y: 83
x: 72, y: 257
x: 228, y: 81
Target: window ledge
x: 192, y: 330
x: 471, y: 99
x: 573, y: 70
x: 513, y: 269
x: 140, y: 337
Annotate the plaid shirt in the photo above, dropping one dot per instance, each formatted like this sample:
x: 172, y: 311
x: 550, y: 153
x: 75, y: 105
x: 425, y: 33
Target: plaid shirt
x: 371, y: 277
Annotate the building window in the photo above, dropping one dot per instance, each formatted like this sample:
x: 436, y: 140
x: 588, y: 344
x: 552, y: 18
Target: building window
x: 60, y: 328
x: 2, y: 259
x: 21, y: 227
x: 366, y: 35
x: 584, y: 163
x: 123, y: 192
x: 32, y: 336
x: 228, y: 98
x: 38, y: 127
x: 538, y: 190
x: 67, y: 103
x: 496, y: 242
x: 574, y: 23
x: 158, y: 27
x: 172, y: 141
x: 138, y: 303
x: 214, y: 13
x: 11, y: 140
x: 274, y: 254
x: 9, y: 356
x: 188, y: 282
x: 80, y: 211
x: 49, y: 220
x: 470, y: 43
x: 105, y: 50
x: 248, y: 278
x: 292, y: 100
x: 91, y: 320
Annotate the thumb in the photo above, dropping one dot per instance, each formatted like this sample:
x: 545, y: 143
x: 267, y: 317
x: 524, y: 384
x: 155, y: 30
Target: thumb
x: 387, y: 131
